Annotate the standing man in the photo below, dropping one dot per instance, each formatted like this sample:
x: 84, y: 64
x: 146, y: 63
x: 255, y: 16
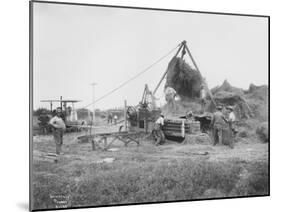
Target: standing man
x: 109, y: 118
x: 231, y: 120
x: 203, y: 96
x: 115, y: 119
x: 158, y: 130
x: 189, y: 116
x: 58, y: 125
x: 170, y: 95
x: 218, y: 123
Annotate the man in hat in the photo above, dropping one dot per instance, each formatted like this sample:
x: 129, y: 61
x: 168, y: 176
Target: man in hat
x: 231, y: 115
x: 189, y: 116
x: 231, y: 120
x: 115, y: 117
x: 109, y: 118
x: 218, y: 123
x: 158, y: 130
x: 58, y: 125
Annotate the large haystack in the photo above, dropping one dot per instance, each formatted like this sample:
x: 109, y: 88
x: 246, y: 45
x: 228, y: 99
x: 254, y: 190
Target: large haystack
x: 257, y: 98
x: 184, y: 79
x: 226, y: 87
x: 229, y: 95
x: 187, y: 83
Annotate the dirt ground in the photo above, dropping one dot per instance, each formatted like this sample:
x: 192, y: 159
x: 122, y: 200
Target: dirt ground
x: 243, y: 150
x: 79, y: 157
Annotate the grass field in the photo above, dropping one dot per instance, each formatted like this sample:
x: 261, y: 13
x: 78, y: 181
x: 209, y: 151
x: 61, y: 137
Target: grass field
x: 145, y: 173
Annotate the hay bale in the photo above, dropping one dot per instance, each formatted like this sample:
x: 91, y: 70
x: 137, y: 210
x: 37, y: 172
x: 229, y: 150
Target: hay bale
x: 262, y: 132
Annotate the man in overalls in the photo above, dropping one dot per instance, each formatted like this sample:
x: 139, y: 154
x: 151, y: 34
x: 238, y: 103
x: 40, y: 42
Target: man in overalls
x: 218, y: 123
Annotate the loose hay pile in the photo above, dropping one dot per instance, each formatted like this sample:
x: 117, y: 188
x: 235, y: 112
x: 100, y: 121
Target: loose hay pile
x: 202, y: 138
x: 249, y: 105
x: 184, y: 79
x: 187, y: 83
x: 229, y: 95
x: 226, y: 87
x: 257, y: 98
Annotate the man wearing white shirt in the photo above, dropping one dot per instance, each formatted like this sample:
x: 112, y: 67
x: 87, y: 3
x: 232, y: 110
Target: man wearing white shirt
x: 231, y: 120
x: 58, y: 125
x: 115, y: 119
x: 170, y: 94
x: 160, y: 121
x: 159, y: 124
x: 231, y: 115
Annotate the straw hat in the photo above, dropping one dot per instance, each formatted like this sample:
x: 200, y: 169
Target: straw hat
x: 219, y: 107
x: 230, y: 108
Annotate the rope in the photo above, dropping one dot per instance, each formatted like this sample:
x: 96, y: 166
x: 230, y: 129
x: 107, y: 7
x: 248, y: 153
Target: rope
x: 132, y: 78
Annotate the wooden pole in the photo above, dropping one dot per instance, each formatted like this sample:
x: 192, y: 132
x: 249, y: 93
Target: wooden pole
x: 61, y: 102
x: 196, y: 67
x: 162, y: 78
x: 125, y: 114
x: 144, y: 94
x: 94, y: 114
x: 93, y: 144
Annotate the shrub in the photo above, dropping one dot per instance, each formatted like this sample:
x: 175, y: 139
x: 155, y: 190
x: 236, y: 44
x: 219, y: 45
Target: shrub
x: 262, y: 132
x: 40, y: 111
x: 243, y: 134
x: 255, y: 182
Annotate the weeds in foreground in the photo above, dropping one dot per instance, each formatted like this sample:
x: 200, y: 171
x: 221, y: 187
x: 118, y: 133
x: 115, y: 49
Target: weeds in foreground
x: 175, y: 180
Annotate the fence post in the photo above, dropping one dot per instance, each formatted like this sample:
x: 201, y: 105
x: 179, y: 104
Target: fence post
x: 125, y: 114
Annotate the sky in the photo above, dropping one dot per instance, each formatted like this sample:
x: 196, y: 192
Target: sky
x: 75, y: 46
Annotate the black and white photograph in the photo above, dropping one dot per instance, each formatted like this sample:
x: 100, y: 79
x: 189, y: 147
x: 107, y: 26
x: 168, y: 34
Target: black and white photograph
x: 134, y: 105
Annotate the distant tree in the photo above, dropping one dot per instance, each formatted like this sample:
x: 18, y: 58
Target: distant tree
x: 41, y: 111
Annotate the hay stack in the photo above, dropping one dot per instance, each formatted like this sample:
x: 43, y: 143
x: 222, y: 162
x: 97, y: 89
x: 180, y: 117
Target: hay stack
x: 257, y: 98
x: 229, y: 95
x: 259, y: 93
x: 184, y: 79
x: 226, y: 87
